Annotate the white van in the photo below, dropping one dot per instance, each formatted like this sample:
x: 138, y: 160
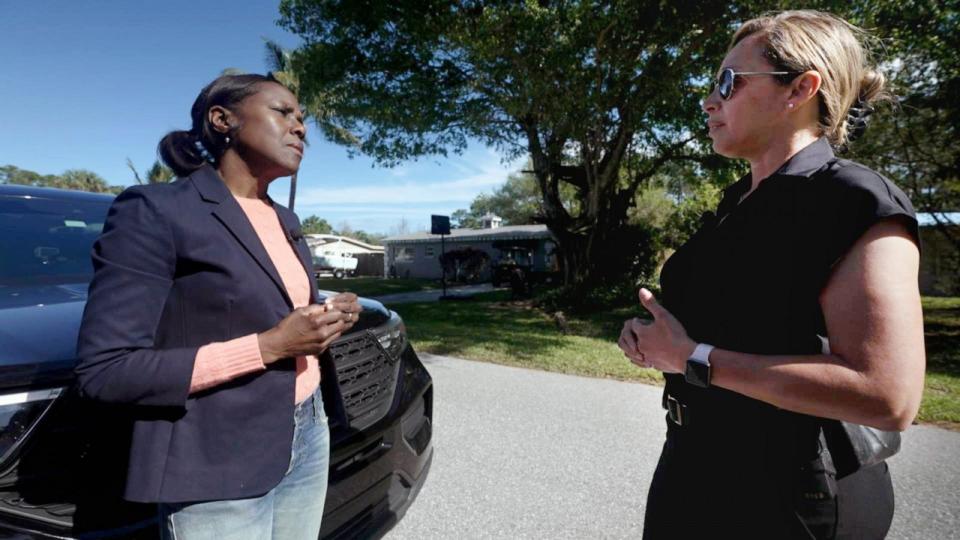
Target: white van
x: 330, y: 257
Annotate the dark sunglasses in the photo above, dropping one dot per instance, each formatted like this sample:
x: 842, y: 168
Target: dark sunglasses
x: 726, y: 79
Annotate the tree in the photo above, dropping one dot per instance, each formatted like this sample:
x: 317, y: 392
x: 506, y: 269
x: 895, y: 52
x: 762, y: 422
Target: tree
x: 13, y: 175
x: 281, y: 63
x: 914, y: 142
x: 578, y: 86
x: 517, y: 202
x: 79, y: 179
x: 464, y: 219
x: 315, y: 225
x: 370, y: 238
x: 158, y: 173
x: 278, y: 60
x: 602, y: 96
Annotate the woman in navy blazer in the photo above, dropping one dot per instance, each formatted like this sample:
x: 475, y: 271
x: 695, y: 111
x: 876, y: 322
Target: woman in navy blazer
x: 180, y: 266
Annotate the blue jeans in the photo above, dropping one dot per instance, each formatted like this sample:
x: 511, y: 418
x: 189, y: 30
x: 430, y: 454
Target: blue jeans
x: 290, y: 511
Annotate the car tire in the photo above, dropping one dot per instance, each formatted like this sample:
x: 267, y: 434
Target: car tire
x: 338, y: 274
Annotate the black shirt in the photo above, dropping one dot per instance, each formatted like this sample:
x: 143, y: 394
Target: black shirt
x: 749, y: 279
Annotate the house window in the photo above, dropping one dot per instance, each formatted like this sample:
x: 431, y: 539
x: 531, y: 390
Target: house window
x: 428, y: 251
x: 404, y: 254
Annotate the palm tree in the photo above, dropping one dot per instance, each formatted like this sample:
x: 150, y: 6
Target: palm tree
x: 279, y: 60
x: 157, y: 174
x: 281, y: 63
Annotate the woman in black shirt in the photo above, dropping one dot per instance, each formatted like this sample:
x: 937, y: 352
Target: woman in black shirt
x: 806, y: 250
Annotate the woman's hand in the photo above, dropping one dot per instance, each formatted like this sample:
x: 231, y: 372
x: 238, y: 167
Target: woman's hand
x: 347, y: 304
x: 306, y: 331
x: 662, y: 344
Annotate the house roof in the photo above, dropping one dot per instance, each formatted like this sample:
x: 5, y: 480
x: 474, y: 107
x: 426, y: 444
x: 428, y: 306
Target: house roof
x: 509, y: 232
x: 321, y: 239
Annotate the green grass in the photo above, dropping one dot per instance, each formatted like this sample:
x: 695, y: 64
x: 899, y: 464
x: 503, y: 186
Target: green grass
x: 490, y: 328
x: 376, y: 286
x: 941, y: 396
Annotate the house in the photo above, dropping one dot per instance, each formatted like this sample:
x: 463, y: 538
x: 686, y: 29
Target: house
x: 418, y: 255
x: 331, y: 252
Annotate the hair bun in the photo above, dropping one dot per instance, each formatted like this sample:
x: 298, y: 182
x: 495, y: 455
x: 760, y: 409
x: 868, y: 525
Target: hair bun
x: 872, y: 84
x: 180, y: 151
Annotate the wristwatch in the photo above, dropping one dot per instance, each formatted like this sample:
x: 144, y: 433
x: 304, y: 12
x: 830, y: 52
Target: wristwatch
x: 698, y: 366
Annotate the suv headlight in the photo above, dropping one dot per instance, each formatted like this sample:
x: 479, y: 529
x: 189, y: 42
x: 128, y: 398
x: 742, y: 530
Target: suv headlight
x: 392, y: 335
x: 19, y: 413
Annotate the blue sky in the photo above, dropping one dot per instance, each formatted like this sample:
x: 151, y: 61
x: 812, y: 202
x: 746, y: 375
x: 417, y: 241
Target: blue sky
x: 87, y: 84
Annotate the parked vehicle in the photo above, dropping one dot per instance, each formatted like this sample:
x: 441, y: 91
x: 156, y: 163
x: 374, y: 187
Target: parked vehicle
x: 62, y: 459
x: 328, y: 259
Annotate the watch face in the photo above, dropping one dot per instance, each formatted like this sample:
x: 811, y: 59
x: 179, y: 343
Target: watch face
x: 698, y: 374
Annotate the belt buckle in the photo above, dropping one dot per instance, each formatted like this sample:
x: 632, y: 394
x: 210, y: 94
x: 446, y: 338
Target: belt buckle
x: 674, y: 410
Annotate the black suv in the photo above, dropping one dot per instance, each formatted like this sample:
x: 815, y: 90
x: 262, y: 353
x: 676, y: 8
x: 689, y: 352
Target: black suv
x: 62, y: 459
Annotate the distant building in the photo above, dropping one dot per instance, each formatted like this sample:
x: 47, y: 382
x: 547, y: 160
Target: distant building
x: 418, y: 255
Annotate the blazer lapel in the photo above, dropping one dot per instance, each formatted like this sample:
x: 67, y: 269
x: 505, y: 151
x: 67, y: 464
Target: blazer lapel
x: 227, y: 211
x: 291, y: 228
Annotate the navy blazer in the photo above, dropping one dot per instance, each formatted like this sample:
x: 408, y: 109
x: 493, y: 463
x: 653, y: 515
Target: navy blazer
x: 179, y: 266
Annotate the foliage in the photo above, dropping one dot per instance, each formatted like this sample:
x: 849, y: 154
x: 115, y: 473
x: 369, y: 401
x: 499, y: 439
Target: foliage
x: 913, y: 142
x: 517, y: 202
x: 78, y: 179
x: 577, y: 86
x: 602, y: 96
x: 370, y: 238
x: 315, y: 225
x: 158, y: 173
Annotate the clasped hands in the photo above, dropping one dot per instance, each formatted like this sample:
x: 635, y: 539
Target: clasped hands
x: 661, y: 344
x: 311, y: 329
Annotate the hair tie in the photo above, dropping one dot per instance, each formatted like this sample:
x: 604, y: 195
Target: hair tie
x: 857, y: 119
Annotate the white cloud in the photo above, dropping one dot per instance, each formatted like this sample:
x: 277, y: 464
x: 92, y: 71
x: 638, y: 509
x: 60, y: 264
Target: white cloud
x: 461, y: 189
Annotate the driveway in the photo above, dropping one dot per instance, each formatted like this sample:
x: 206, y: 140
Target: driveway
x: 530, y: 454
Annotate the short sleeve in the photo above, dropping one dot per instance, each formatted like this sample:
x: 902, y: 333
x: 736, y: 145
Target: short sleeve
x: 853, y: 199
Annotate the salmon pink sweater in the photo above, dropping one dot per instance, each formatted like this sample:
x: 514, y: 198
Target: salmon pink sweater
x: 219, y: 362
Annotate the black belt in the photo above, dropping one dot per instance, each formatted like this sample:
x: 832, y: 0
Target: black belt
x: 677, y: 412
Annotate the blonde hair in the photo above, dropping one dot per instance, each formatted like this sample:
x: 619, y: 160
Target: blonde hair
x: 805, y: 40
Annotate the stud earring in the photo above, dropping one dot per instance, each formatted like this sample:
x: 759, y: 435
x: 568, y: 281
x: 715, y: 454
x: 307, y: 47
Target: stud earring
x: 226, y: 140
x: 790, y: 105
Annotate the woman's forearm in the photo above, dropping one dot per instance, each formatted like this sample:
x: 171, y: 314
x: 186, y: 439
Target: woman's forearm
x: 821, y: 385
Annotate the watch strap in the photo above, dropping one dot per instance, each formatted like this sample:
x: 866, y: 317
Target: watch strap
x: 702, y: 353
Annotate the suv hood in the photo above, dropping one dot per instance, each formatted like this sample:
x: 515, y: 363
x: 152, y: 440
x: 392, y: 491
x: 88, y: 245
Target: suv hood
x: 31, y: 353
x: 374, y: 313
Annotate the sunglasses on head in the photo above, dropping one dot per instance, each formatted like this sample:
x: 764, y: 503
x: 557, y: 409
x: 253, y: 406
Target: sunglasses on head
x: 726, y: 79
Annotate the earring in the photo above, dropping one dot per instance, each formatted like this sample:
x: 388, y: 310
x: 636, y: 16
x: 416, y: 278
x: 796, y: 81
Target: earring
x: 790, y: 105
x: 226, y: 140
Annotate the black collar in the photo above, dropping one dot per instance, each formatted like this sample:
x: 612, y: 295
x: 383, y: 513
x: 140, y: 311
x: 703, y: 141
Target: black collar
x: 809, y: 160
x: 802, y: 164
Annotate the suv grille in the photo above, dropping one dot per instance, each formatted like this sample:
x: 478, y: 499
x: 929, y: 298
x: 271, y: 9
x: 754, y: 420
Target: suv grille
x: 367, y: 377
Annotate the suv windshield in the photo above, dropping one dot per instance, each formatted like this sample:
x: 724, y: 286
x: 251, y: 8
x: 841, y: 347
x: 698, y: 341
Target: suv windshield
x: 48, y: 241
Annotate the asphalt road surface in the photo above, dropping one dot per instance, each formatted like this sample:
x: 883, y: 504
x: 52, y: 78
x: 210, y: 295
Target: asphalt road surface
x: 529, y: 454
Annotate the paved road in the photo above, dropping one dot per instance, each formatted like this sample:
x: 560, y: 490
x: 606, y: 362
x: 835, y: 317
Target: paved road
x: 529, y: 454
x: 431, y: 295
